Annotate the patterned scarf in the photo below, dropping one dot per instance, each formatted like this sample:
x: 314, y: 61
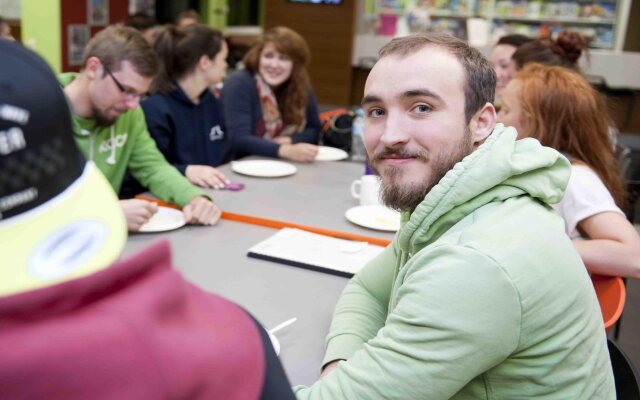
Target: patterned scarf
x: 270, y: 113
x: 271, y: 118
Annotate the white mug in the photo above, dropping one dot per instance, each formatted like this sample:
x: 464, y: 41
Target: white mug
x: 367, y: 190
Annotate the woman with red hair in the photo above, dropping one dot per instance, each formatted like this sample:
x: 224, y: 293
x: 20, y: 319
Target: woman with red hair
x: 559, y: 107
x: 269, y: 107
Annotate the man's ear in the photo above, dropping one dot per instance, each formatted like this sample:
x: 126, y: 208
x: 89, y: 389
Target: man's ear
x: 93, y: 68
x: 482, y: 123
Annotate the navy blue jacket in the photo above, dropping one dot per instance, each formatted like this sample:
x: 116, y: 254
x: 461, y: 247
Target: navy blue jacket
x: 243, y: 117
x: 188, y: 133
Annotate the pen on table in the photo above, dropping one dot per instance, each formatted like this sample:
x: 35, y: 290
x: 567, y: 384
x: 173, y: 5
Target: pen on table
x: 282, y: 325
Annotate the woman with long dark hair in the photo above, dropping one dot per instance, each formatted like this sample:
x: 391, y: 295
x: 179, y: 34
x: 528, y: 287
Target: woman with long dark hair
x: 269, y: 107
x: 182, y: 115
x: 559, y: 107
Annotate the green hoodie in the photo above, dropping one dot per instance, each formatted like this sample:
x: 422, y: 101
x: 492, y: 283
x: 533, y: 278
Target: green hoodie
x: 128, y: 145
x: 481, y: 295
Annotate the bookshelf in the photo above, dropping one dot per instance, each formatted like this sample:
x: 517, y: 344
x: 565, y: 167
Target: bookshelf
x: 604, y: 22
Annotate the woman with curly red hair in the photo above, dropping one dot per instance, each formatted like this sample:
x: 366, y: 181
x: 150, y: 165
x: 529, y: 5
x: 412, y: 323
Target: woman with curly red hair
x: 269, y: 107
x: 559, y: 107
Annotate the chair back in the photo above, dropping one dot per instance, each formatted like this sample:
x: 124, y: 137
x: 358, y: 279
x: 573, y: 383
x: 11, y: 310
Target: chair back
x: 611, y: 294
x: 624, y: 373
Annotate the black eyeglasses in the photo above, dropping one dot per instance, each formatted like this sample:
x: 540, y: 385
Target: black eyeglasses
x: 130, y: 93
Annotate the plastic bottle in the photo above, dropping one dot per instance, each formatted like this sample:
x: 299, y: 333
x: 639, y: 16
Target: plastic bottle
x: 358, y: 152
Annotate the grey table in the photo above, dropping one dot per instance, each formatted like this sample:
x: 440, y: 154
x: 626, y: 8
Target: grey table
x: 317, y: 195
x: 214, y: 258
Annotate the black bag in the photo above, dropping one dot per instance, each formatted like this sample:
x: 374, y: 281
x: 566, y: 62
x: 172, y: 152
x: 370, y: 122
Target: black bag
x: 336, y: 131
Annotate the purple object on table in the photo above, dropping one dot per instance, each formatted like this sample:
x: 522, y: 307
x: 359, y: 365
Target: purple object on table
x: 367, y: 168
x: 234, y: 186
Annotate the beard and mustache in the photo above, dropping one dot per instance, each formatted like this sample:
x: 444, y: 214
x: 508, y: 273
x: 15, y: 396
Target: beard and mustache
x: 406, y: 197
x: 102, y: 119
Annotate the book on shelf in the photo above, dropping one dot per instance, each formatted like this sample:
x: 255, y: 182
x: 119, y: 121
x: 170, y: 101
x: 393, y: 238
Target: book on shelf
x: 322, y: 253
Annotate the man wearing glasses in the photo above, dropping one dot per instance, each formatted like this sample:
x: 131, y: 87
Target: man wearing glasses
x: 110, y: 128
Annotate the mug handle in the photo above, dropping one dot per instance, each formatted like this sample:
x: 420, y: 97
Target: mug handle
x: 356, y: 192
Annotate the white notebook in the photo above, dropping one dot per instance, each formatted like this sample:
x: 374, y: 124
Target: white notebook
x: 317, y: 252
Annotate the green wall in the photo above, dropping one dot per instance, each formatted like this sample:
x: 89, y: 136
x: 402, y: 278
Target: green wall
x: 220, y: 13
x: 213, y: 13
x: 40, y: 21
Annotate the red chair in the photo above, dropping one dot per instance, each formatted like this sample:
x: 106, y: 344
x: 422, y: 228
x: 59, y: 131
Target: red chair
x: 611, y: 294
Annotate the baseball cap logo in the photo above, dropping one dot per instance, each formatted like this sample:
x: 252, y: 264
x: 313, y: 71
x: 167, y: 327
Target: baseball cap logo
x: 14, y: 114
x: 12, y: 140
x: 67, y: 248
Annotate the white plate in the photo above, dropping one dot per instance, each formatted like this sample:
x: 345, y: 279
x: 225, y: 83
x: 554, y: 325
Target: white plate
x: 326, y: 153
x: 275, y: 343
x: 374, y: 217
x: 165, y: 219
x: 263, y: 168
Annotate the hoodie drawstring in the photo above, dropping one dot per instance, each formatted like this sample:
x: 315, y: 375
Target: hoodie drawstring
x: 112, y: 157
x: 91, y: 141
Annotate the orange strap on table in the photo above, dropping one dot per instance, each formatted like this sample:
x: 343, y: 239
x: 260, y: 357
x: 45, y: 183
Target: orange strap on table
x: 272, y: 223
x: 158, y: 202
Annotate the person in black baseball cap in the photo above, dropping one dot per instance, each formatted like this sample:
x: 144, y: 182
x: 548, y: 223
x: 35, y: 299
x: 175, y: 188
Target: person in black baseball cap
x: 53, y: 203
x: 76, y: 324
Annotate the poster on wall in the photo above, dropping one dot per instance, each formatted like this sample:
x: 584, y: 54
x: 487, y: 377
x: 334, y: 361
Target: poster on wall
x: 98, y: 12
x: 142, y: 6
x: 77, y: 36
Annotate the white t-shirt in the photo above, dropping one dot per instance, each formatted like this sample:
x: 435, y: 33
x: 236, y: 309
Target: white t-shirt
x: 586, y: 195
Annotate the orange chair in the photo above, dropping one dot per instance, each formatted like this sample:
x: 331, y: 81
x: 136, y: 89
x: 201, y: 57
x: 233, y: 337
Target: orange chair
x: 611, y: 294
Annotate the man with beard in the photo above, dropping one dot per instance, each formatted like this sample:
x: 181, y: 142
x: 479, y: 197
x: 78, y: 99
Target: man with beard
x: 110, y: 127
x: 481, y: 294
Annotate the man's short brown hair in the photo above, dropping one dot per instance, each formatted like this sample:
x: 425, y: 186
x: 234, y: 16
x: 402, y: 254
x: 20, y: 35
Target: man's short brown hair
x: 480, y: 83
x: 118, y: 43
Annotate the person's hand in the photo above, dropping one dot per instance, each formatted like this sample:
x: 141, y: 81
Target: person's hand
x: 329, y: 367
x: 137, y: 212
x: 206, y: 176
x: 302, y: 152
x: 201, y: 210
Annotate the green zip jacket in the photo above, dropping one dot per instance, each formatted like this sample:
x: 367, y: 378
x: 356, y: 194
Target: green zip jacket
x: 481, y: 295
x: 127, y: 145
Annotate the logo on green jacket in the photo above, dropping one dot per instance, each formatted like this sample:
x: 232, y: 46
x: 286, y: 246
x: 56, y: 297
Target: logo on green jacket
x: 117, y: 141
